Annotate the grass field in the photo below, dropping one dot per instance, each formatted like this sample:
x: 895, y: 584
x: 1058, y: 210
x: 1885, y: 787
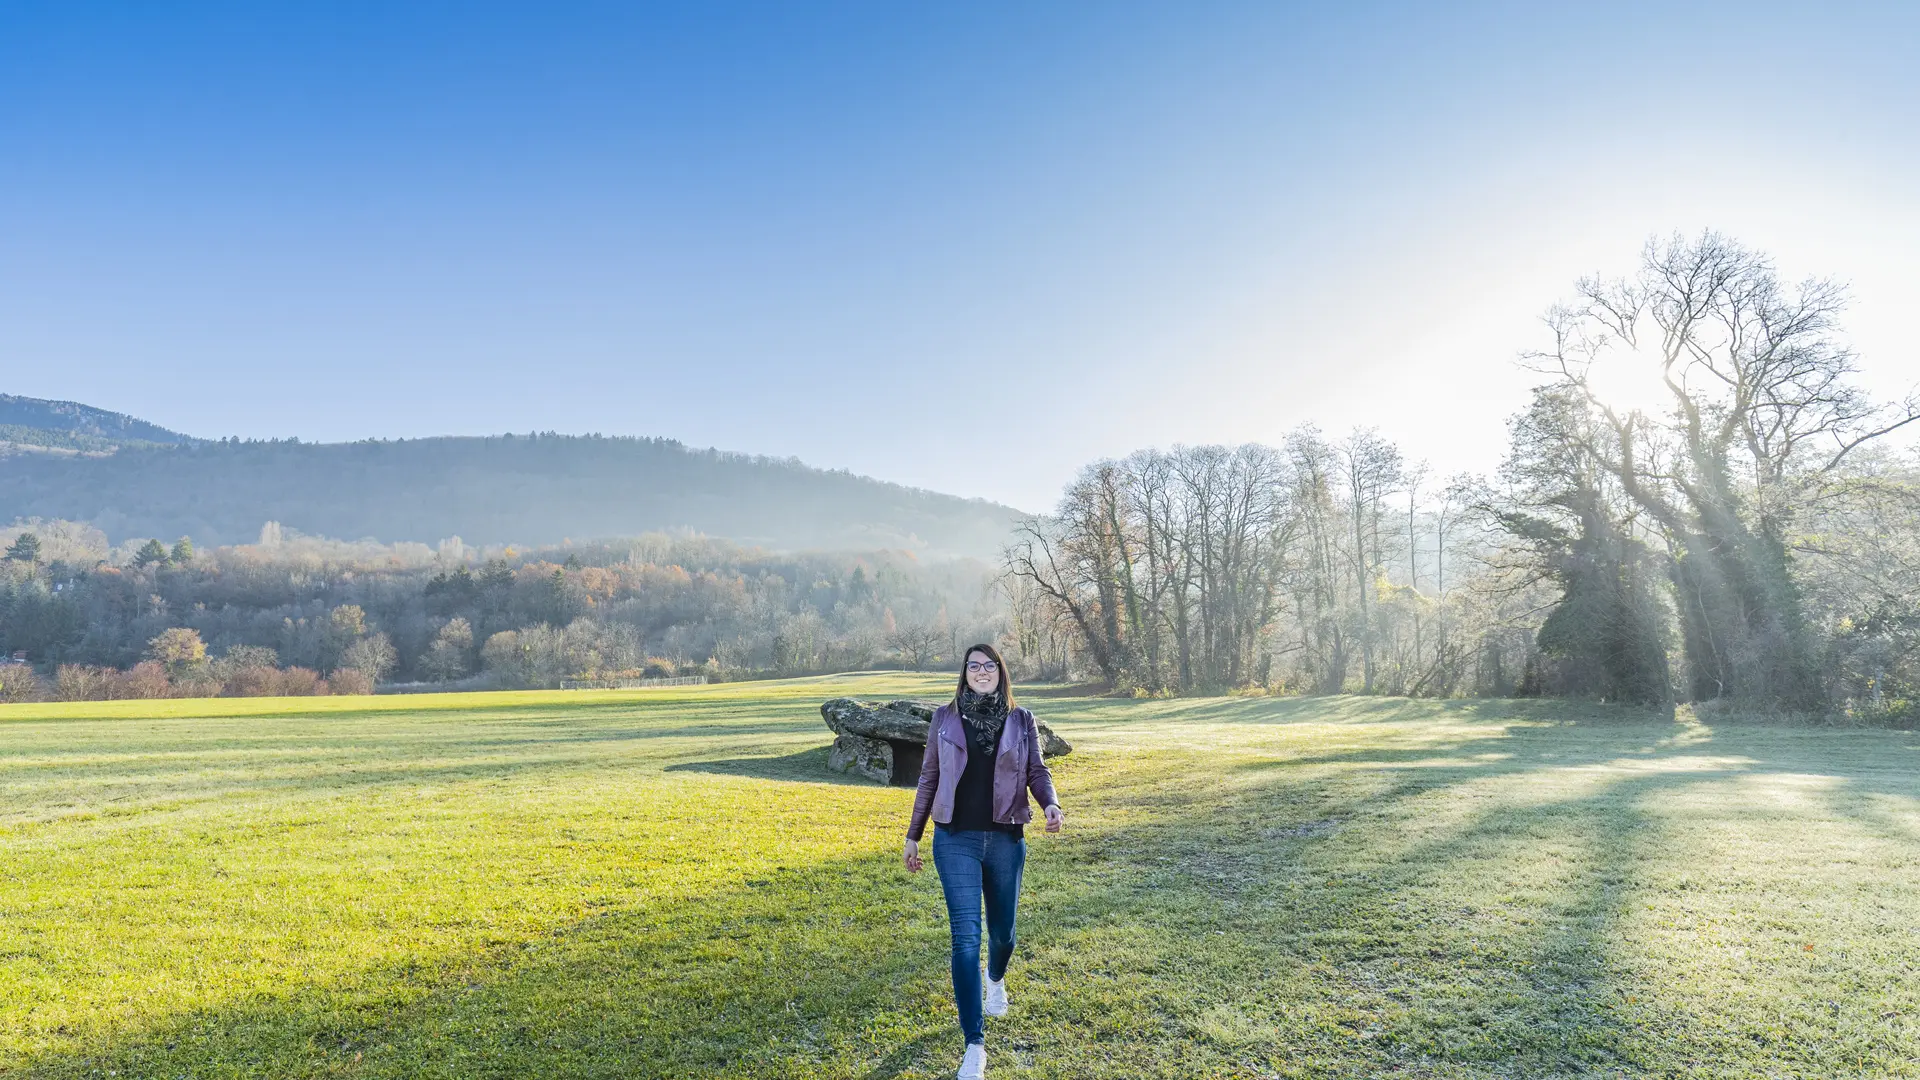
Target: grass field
x: 668, y: 883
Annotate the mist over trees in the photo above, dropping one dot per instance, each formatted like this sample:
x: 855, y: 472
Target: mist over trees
x: 1749, y: 539
x: 1763, y: 430
x: 653, y: 605
x: 1608, y: 634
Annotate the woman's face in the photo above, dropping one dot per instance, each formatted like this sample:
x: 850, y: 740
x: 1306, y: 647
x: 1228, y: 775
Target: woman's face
x: 982, y: 673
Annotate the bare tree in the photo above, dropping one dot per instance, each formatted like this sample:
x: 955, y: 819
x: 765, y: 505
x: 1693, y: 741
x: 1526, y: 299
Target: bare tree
x: 1316, y: 565
x: 1370, y: 471
x: 1045, y: 556
x: 917, y: 643
x: 1167, y: 563
x: 1457, y: 500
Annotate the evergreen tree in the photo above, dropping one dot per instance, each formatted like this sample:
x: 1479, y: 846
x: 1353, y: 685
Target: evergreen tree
x: 183, y: 550
x: 26, y: 549
x: 1606, y: 637
x: 152, y: 552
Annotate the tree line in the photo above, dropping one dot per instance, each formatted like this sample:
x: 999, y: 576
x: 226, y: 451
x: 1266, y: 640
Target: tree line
x: 1318, y: 566
x: 1752, y: 537
x: 294, y: 614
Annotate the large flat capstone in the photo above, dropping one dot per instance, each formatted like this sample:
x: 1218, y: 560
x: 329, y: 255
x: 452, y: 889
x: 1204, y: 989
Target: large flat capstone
x: 886, y: 742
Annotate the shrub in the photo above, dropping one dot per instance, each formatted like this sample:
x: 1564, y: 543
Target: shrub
x: 19, y: 683
x: 146, y: 679
x: 240, y: 657
x: 149, y: 679
x: 196, y: 681
x: 78, y: 682
x: 301, y: 682
x: 253, y: 681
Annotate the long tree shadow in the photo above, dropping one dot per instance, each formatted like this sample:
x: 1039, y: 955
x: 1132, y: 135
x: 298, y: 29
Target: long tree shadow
x: 1065, y: 690
x: 1286, y: 919
x: 804, y: 766
x: 419, y: 708
x: 304, y: 764
x: 337, y: 779
x: 1357, y: 709
x: 1400, y: 972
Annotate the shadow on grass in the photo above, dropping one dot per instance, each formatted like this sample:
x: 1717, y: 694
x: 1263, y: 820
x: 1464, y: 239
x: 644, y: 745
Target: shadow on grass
x: 1075, y: 690
x: 114, y: 791
x: 1249, y: 931
x: 805, y: 766
x: 701, y: 730
x: 1354, y: 709
x: 430, y: 715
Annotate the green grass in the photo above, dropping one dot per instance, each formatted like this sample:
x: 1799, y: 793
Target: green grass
x: 668, y: 883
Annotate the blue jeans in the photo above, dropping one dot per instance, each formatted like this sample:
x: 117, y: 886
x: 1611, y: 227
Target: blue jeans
x: 977, y: 865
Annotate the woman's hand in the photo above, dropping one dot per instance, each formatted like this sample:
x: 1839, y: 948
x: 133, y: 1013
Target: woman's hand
x: 1055, y: 818
x: 911, y: 857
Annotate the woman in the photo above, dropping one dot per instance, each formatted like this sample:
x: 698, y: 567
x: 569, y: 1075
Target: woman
x: 983, y: 756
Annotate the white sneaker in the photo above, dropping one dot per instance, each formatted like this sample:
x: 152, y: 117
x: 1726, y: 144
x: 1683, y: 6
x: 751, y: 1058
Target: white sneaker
x: 974, y: 1065
x: 996, y: 998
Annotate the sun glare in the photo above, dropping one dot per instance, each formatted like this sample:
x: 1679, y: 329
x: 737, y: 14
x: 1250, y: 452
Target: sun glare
x: 1627, y: 378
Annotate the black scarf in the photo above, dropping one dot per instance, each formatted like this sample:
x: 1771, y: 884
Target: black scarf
x: 986, y: 717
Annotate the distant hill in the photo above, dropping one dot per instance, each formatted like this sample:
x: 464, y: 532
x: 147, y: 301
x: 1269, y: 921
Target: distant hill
x: 69, y: 425
x: 535, y: 489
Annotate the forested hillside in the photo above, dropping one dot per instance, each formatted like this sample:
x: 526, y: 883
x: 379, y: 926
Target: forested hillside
x: 69, y: 425
x: 533, y: 489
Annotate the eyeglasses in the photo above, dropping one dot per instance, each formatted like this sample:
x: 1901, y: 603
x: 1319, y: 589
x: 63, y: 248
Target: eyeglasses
x: 986, y: 666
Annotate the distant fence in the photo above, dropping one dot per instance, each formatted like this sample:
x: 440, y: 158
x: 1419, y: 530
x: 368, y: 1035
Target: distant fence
x: 630, y: 684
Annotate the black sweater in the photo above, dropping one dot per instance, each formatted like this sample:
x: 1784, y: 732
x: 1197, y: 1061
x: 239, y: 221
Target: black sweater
x: 973, y: 795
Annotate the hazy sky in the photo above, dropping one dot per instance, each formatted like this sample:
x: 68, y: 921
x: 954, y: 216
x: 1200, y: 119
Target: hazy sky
x: 965, y: 246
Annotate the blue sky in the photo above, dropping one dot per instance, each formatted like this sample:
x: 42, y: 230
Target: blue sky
x: 969, y: 247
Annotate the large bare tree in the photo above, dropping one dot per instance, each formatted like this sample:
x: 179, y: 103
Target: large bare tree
x: 1761, y: 414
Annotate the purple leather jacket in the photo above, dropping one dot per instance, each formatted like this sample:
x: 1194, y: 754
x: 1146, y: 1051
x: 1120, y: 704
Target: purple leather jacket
x: 1017, y: 768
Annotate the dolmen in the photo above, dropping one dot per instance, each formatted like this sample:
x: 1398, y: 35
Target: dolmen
x: 885, y: 741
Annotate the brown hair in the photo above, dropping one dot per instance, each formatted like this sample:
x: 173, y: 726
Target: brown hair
x: 1006, y: 677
